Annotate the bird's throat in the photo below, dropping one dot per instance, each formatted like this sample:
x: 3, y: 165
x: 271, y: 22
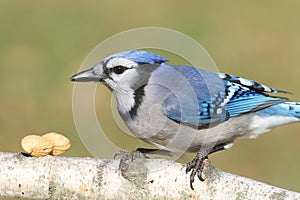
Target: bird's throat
x: 138, y: 98
x: 129, y: 101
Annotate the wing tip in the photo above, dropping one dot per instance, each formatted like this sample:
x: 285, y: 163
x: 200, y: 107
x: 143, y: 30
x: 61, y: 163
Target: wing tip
x: 251, y: 84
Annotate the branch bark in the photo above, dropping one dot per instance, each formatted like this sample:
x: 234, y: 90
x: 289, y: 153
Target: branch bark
x: 89, y: 178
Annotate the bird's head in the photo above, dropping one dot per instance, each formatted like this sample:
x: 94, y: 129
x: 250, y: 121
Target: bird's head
x: 129, y: 69
x: 126, y: 74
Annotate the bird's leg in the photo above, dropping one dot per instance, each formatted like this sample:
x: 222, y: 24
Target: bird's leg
x: 154, y: 151
x: 138, y: 153
x: 197, y: 164
x: 128, y: 156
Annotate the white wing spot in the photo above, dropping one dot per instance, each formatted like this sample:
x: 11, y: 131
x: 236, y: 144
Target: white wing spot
x: 229, y: 96
x: 246, y: 82
x: 219, y: 111
x: 222, y: 75
x: 228, y: 146
x: 266, y: 88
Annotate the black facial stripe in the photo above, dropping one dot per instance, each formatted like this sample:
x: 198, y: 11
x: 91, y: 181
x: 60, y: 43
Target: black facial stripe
x: 105, y: 70
x: 138, y: 97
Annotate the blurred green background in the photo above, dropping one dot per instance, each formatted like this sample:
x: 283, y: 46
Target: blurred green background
x: 43, y: 43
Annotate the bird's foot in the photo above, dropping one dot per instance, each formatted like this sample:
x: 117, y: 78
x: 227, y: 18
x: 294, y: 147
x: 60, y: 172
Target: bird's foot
x: 196, y: 167
x: 132, y: 166
x: 139, y: 153
x: 128, y: 156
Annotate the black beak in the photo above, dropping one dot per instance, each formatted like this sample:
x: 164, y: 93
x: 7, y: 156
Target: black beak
x: 87, y: 76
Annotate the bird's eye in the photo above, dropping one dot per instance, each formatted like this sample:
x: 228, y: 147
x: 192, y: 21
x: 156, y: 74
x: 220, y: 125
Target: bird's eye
x: 118, y: 69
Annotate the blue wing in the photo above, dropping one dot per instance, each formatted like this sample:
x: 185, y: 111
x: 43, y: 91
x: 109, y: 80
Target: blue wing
x: 219, y: 96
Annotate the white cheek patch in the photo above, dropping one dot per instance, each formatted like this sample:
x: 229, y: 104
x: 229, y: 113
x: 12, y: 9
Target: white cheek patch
x: 123, y: 79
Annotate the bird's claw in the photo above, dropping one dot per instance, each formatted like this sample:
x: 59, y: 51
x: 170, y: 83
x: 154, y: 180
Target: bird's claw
x: 196, y: 167
x: 128, y: 156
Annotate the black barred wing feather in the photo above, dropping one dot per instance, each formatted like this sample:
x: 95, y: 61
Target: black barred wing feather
x: 240, y: 96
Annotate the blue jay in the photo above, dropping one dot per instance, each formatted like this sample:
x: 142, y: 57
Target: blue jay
x: 182, y: 108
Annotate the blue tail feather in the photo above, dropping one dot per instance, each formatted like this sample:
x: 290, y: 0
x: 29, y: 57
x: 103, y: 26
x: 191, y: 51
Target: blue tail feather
x: 293, y: 107
x: 289, y: 109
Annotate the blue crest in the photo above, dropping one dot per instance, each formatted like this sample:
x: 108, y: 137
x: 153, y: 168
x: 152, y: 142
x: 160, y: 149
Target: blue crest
x: 139, y: 56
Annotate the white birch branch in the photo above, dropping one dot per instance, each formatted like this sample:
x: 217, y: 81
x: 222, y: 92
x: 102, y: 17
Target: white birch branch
x: 89, y: 178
